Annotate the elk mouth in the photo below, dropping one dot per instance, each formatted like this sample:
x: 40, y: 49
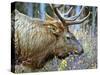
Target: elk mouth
x: 76, y: 52
x: 63, y: 56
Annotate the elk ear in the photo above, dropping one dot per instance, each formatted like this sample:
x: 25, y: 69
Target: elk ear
x: 48, y: 17
x: 53, y: 29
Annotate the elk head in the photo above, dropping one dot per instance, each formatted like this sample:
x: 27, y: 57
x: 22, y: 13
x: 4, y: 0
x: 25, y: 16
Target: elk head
x: 72, y: 45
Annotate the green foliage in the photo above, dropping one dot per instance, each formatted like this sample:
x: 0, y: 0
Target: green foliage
x: 62, y: 65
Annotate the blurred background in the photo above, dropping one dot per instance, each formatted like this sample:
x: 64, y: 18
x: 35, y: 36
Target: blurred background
x: 86, y: 33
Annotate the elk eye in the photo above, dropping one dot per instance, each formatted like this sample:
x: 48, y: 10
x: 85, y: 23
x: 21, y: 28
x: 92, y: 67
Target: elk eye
x: 68, y: 37
x: 53, y: 29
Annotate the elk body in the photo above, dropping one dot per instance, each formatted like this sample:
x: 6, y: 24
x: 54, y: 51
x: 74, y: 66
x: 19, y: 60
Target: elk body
x: 36, y: 41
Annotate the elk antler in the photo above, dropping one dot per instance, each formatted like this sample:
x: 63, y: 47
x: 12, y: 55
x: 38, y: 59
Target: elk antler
x: 71, y: 20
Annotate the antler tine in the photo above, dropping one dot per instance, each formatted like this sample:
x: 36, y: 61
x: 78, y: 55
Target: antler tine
x: 78, y: 21
x: 72, y: 18
x: 66, y: 14
x: 57, y: 12
x: 62, y: 16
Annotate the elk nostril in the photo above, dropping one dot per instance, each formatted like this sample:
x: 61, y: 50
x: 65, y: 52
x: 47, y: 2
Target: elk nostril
x: 81, y: 52
x: 68, y: 37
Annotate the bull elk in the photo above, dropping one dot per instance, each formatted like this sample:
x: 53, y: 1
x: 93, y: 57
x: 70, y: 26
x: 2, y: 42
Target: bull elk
x: 38, y: 41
